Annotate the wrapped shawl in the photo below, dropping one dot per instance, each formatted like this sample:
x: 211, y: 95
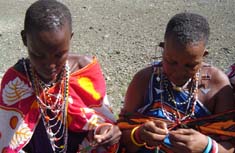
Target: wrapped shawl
x: 221, y: 127
x: 20, y: 113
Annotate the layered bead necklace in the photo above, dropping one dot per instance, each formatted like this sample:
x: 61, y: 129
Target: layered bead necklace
x: 53, y: 107
x: 167, y: 86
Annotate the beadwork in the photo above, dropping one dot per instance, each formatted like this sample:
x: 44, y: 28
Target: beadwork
x: 190, y: 102
x: 53, y: 109
x: 177, y: 88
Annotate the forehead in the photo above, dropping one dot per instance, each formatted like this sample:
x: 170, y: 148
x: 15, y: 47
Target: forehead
x: 54, y: 24
x: 172, y: 47
x: 49, y: 42
x: 50, y: 37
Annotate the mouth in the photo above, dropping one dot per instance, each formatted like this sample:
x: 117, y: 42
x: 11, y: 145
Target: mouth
x: 49, y: 75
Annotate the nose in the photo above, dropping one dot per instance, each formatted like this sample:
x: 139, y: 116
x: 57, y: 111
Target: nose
x: 180, y: 70
x: 50, y: 63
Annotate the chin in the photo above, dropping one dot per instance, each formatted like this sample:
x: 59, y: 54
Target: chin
x: 48, y: 78
x: 179, y: 82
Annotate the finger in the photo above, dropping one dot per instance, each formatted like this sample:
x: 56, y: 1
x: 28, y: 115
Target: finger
x: 183, y: 131
x: 110, y: 141
x: 156, y: 127
x: 111, y: 137
x: 179, y: 138
x: 161, y: 124
x: 105, y: 135
x: 177, y: 144
x: 181, y: 135
x: 150, y: 138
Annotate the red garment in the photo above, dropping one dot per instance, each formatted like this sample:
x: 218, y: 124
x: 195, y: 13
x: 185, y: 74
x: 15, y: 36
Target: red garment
x: 220, y: 127
x: 20, y: 113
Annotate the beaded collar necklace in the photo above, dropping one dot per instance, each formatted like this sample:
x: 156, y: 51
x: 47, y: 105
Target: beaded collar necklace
x: 165, y: 85
x: 180, y: 88
x: 53, y: 109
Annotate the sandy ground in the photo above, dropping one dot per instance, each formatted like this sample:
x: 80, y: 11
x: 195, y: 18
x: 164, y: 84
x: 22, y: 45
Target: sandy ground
x: 123, y: 34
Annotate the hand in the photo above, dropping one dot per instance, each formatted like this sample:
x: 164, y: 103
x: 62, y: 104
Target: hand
x: 153, y: 132
x: 187, y: 140
x: 107, y: 134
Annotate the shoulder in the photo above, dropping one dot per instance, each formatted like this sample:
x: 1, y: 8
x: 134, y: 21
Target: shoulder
x: 20, y: 65
x: 141, y: 79
x: 221, y: 94
x: 77, y: 61
x: 137, y: 89
x: 143, y: 74
x: 230, y: 72
x: 217, y: 76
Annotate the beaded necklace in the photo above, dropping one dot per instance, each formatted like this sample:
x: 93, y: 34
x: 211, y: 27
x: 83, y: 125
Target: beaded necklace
x: 53, y: 109
x: 190, y: 102
x: 178, y: 88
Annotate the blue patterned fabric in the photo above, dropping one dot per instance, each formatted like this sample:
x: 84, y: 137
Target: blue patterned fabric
x: 157, y: 99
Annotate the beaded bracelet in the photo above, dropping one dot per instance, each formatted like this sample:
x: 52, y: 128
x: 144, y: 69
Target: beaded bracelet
x: 215, y: 148
x: 137, y: 136
x: 209, y: 146
x: 133, y: 138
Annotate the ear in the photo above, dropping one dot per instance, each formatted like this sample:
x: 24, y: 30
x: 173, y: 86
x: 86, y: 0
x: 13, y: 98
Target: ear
x: 23, y: 37
x: 161, y: 44
x: 205, y: 53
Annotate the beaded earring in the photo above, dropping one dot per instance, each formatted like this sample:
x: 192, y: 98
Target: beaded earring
x: 158, y: 53
x: 158, y: 56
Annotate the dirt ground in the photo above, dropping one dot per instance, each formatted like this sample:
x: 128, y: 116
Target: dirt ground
x: 123, y: 34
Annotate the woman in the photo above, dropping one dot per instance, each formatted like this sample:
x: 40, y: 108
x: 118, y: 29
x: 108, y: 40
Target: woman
x: 54, y: 101
x: 163, y: 100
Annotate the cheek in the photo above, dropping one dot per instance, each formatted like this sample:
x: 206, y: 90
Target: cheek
x: 36, y: 63
x: 167, y: 69
x: 63, y: 59
x: 194, y: 70
x: 191, y: 73
x: 60, y: 62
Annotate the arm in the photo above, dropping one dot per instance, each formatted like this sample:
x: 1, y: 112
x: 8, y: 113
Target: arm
x: 108, y: 133
x: 224, y: 101
x: 152, y: 132
x: 133, y: 100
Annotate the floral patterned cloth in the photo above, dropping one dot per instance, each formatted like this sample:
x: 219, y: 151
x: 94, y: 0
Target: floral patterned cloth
x: 20, y: 115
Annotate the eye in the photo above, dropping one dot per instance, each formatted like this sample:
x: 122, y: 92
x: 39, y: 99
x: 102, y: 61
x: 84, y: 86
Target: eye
x: 58, y: 55
x: 191, y: 66
x: 171, y: 62
x: 35, y: 54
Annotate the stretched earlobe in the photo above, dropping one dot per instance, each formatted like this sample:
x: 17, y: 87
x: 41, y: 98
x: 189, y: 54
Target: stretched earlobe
x: 23, y: 37
x: 161, y: 44
x: 205, y: 53
x: 72, y: 35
